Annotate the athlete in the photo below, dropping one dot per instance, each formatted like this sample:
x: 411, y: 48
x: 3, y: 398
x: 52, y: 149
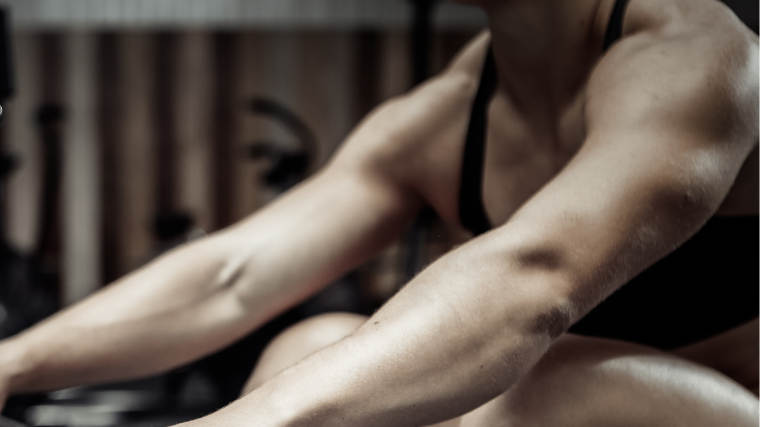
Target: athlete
x: 602, y: 136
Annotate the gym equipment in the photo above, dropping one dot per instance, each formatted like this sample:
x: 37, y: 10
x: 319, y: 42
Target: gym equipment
x: 7, y: 422
x: 24, y: 295
x: 289, y: 167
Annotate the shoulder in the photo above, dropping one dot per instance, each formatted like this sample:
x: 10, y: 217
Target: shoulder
x: 399, y: 131
x: 694, y: 67
x: 680, y: 94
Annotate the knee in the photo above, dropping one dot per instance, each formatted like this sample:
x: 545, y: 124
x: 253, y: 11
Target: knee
x: 323, y: 330
x: 563, y: 385
x: 576, y: 378
x: 299, y: 341
x: 589, y: 382
x: 311, y: 335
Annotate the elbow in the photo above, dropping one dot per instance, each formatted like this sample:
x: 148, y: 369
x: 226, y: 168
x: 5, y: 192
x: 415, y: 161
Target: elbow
x: 554, y: 311
x: 554, y: 285
x: 235, y: 277
x: 553, y: 320
x: 255, y: 295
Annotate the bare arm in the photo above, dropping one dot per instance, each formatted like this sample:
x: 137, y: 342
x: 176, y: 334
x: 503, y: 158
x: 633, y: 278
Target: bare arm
x: 205, y: 295
x: 665, y: 141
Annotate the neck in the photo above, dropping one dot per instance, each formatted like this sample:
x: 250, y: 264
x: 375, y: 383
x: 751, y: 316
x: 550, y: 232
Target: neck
x: 544, y: 49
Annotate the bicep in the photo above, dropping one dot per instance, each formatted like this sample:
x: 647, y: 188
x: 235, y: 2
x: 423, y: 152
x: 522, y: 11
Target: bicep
x: 315, y: 233
x: 348, y: 211
x: 272, y: 259
x: 658, y: 159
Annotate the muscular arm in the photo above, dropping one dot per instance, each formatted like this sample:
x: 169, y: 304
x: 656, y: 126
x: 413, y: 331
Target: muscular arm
x: 665, y: 141
x: 205, y: 295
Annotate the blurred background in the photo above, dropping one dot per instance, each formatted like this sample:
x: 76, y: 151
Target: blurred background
x: 132, y: 126
x: 137, y: 125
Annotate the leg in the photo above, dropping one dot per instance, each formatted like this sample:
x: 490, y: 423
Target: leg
x: 596, y: 382
x: 298, y: 342
x: 303, y: 339
x: 579, y: 382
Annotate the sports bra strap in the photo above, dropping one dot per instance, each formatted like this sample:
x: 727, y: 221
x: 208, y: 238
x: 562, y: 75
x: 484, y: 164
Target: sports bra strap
x: 472, y: 212
x: 615, y: 24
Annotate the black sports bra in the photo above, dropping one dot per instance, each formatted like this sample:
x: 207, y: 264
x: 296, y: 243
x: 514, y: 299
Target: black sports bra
x: 707, y: 286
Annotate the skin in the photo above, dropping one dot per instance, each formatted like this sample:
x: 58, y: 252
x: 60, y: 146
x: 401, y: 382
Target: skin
x: 579, y: 382
x: 597, y: 166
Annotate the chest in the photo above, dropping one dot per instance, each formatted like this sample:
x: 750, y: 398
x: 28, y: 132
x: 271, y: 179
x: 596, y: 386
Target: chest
x: 521, y: 155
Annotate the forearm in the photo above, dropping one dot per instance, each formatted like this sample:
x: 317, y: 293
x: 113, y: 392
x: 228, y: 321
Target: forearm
x: 164, y: 315
x: 455, y: 337
x: 205, y: 295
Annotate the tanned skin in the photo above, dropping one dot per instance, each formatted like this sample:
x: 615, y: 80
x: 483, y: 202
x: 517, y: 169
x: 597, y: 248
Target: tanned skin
x: 579, y: 382
x: 596, y: 167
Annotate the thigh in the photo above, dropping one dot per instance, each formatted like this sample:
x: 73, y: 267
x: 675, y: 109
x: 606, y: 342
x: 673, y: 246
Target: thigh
x: 299, y: 341
x: 302, y: 339
x: 579, y: 382
x: 596, y: 382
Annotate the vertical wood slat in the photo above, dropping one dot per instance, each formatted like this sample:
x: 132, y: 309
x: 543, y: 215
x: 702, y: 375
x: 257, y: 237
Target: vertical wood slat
x: 312, y: 73
x: 163, y: 121
x: 269, y: 63
x: 254, y: 80
x: 367, y: 72
x: 136, y: 155
x: 49, y: 131
x: 4, y: 182
x: 193, y: 114
x: 269, y: 66
x: 447, y: 44
x: 109, y: 114
x: 308, y: 72
x: 24, y: 184
x: 325, y: 84
x: 395, y: 68
x: 81, y: 252
x: 224, y: 77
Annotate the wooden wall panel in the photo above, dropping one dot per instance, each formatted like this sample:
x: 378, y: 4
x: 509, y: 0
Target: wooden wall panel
x: 446, y: 45
x: 118, y: 122
x: 49, y: 119
x: 257, y: 78
x: 109, y: 114
x: 325, y: 82
x: 3, y: 183
x: 81, y: 178
x: 271, y: 65
x: 308, y: 73
x: 226, y: 58
x: 136, y: 153
x: 366, y: 72
x: 193, y: 122
x: 162, y: 94
x: 395, y: 68
x: 24, y: 185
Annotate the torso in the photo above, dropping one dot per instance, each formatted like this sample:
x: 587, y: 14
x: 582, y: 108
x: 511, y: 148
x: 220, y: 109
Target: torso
x: 522, y: 157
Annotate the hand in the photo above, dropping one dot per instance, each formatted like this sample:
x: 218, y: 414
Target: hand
x: 8, y: 368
